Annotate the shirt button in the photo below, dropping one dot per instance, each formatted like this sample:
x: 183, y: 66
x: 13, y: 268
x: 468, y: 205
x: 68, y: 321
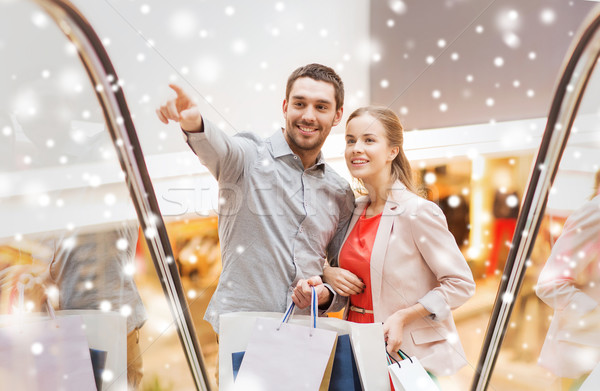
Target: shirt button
x: 296, y: 157
x: 301, y: 229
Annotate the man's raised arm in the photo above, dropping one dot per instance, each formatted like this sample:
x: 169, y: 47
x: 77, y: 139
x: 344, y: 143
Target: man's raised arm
x: 181, y: 109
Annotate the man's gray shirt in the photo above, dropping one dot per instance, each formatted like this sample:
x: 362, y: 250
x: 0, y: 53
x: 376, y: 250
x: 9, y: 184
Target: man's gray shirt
x: 278, y: 222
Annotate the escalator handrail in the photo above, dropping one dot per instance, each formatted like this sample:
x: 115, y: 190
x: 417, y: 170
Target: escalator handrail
x: 124, y: 136
x: 574, y: 78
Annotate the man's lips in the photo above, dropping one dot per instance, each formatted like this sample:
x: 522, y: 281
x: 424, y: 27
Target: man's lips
x: 307, y: 129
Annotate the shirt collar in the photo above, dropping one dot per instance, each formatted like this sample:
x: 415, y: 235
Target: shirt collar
x: 280, y: 148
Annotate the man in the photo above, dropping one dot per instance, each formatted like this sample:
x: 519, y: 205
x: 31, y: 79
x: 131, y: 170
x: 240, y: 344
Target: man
x: 90, y: 270
x: 283, y: 211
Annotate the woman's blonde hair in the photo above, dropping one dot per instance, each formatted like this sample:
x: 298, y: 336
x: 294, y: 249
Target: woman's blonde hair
x: 394, y: 134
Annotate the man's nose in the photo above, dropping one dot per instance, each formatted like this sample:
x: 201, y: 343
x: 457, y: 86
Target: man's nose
x: 309, y: 114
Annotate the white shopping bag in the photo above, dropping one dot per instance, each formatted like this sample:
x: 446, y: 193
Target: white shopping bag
x: 367, y: 344
x: 286, y: 356
x: 105, y: 331
x: 409, y: 375
x: 45, y: 354
x: 592, y: 383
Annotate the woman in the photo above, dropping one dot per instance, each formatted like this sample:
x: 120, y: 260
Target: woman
x: 570, y: 284
x: 399, y: 245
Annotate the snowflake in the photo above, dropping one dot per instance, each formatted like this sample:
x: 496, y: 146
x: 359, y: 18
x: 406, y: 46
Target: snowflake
x: 37, y: 348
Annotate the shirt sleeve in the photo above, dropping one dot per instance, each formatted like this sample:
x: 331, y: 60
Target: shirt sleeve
x: 441, y: 253
x: 336, y: 242
x: 577, y: 248
x: 224, y: 156
x: 346, y: 208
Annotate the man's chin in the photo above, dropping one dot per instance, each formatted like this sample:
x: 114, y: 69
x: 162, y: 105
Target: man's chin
x: 307, y: 145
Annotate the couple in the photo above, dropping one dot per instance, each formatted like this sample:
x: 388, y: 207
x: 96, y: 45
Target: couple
x: 286, y: 222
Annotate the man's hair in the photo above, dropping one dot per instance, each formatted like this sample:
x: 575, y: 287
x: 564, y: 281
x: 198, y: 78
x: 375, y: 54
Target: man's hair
x: 320, y: 73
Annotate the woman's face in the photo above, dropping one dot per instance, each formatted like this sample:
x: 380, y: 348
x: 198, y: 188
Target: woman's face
x: 368, y: 154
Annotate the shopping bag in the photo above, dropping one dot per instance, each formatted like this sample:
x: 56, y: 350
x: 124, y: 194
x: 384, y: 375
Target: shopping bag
x: 409, y: 375
x: 592, y: 382
x: 98, y: 363
x: 106, y: 331
x: 368, y: 346
x: 344, y: 373
x: 237, y: 357
x: 236, y: 361
x: 366, y: 339
x: 287, y: 356
x: 46, y: 354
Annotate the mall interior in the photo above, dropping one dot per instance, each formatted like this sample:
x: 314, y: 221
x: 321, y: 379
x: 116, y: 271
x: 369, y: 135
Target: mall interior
x: 473, y: 82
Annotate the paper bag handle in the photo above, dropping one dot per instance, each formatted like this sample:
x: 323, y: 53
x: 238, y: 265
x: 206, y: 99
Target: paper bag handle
x: 392, y: 360
x: 313, y: 311
x: 21, y: 302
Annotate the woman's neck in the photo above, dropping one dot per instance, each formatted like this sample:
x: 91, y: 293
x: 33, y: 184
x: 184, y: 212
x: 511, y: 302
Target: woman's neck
x: 378, y: 194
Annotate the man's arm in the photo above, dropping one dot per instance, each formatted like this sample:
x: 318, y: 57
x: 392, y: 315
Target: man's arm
x: 181, y: 109
x: 224, y: 156
x: 336, y: 301
x: 346, y: 209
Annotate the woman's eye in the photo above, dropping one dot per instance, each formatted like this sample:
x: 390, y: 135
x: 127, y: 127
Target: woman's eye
x: 349, y: 141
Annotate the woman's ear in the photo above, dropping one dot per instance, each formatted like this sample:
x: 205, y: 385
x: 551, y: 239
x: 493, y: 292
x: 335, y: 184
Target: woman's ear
x: 393, y: 153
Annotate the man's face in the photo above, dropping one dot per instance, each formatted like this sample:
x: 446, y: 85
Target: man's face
x: 309, y: 114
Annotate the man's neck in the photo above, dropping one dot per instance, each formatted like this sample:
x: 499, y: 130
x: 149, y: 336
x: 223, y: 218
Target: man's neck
x: 308, y: 159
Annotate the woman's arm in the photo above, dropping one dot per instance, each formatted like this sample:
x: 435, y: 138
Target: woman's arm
x: 344, y: 282
x: 393, y: 327
x: 566, y: 269
x: 443, y: 257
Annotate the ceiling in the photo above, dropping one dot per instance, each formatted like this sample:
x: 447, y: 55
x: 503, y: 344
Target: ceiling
x: 493, y: 60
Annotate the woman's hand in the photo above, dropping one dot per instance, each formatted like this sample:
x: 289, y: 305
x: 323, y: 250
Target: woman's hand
x: 344, y: 282
x: 393, y: 329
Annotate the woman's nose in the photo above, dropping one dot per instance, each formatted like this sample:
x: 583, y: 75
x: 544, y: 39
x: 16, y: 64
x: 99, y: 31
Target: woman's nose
x: 358, y: 147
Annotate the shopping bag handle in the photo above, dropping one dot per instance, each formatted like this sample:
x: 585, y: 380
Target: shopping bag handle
x: 21, y: 302
x: 313, y: 311
x: 392, y: 360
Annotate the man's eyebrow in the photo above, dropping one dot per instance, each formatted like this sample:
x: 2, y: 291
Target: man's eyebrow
x: 302, y: 97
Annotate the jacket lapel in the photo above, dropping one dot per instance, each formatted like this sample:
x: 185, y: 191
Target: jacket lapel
x: 379, y: 251
x: 392, y: 209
